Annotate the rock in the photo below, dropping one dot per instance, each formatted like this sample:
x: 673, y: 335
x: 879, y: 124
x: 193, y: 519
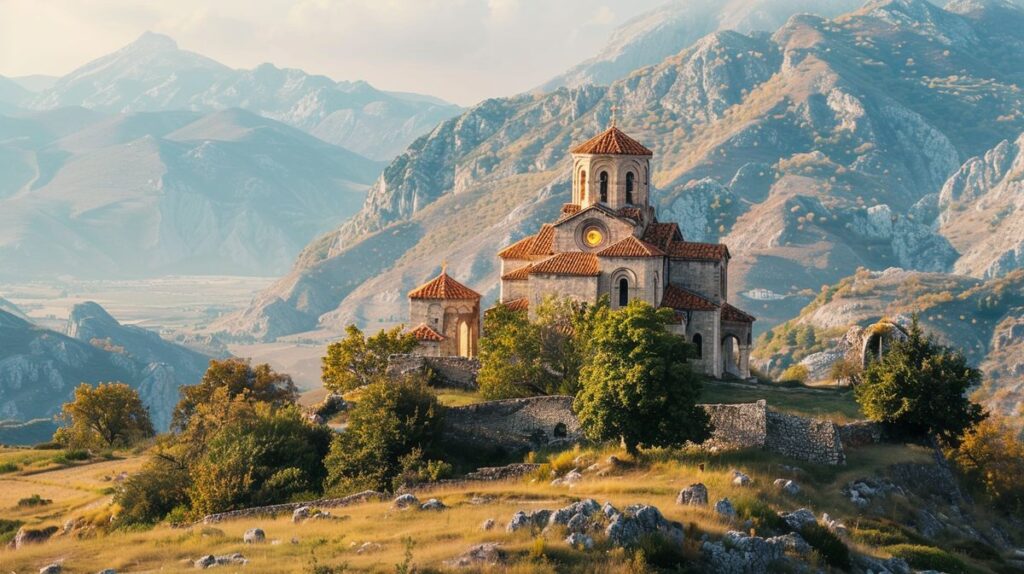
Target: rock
x: 740, y: 553
x: 520, y: 520
x: 254, y: 536
x: 639, y: 521
x: 787, y: 486
x: 209, y: 561
x: 580, y: 541
x: 205, y: 561
x: 927, y: 524
x: 299, y: 514
x: 837, y: 527
x: 740, y: 479
x: 586, y: 508
x: 516, y: 470
x: 487, y: 554
x: 488, y: 524
x: 608, y: 510
x: 406, y: 501
x: 693, y: 495
x: 570, y: 478
x: 578, y: 523
x: 32, y: 536
x: 798, y: 518
x: 368, y: 547
x: 107, y: 571
x: 725, y: 508
x: 54, y: 568
x: 433, y: 504
x: 615, y: 462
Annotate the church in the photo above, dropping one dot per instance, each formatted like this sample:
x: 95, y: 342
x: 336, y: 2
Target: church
x: 606, y: 242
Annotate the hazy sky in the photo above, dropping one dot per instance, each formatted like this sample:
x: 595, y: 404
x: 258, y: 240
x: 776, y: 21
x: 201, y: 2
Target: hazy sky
x: 460, y: 50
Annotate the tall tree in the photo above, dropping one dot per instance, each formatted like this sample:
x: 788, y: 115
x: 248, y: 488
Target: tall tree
x: 238, y: 379
x: 357, y: 360
x: 105, y: 416
x: 636, y: 385
x: 919, y: 387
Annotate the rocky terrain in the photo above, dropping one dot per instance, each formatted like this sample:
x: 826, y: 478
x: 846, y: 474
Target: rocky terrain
x: 812, y: 152
x: 39, y: 368
x: 153, y: 74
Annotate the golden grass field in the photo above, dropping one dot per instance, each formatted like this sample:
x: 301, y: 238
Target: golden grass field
x: 436, y: 536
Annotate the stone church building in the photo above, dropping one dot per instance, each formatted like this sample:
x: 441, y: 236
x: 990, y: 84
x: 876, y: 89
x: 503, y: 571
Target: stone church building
x: 608, y: 241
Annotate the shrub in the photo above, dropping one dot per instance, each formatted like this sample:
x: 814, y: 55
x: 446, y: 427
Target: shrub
x: 69, y: 456
x: 148, y: 495
x: 8, y: 529
x: 33, y: 501
x: 992, y: 456
x: 6, y: 467
x: 928, y: 558
x: 795, y: 373
x: 829, y: 546
x: 758, y: 512
x: 357, y: 360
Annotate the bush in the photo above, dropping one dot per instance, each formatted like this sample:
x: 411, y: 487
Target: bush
x: 795, y: 373
x: 33, y: 501
x: 6, y: 467
x: 147, y: 496
x: 928, y: 558
x: 758, y: 512
x: 829, y: 546
x: 992, y: 457
x: 69, y: 456
x: 8, y: 529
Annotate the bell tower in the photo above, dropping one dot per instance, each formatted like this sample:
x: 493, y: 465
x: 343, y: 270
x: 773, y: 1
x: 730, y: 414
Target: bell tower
x: 611, y: 169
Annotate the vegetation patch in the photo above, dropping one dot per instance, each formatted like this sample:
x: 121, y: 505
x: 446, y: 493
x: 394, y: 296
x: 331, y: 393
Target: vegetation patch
x: 928, y: 558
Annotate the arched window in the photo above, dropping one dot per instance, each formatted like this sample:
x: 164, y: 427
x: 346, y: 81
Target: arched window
x: 583, y: 185
x: 698, y: 342
x: 604, y: 186
x: 750, y: 339
x: 629, y: 188
x: 623, y: 292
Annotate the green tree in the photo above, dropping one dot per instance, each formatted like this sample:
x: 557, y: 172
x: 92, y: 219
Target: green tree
x: 105, y: 416
x: 636, y: 385
x: 807, y: 338
x: 391, y: 419
x: 992, y: 456
x: 919, y: 387
x: 147, y: 496
x: 565, y: 326
x: 510, y: 356
x: 846, y: 372
x: 357, y: 360
x: 238, y: 379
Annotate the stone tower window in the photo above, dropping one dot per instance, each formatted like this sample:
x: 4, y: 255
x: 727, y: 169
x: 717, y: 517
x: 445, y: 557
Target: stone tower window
x: 583, y: 186
x: 604, y: 186
x: 698, y: 342
x: 629, y: 188
x: 623, y: 292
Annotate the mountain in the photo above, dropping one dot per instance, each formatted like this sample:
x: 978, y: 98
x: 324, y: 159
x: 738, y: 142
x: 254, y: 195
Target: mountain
x: 39, y: 368
x: 8, y: 307
x: 36, y: 82
x: 811, y: 152
x: 152, y: 74
x: 151, y: 193
x: 653, y: 36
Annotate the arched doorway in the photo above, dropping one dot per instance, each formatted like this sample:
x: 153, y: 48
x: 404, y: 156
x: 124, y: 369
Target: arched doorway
x: 731, y: 356
x: 464, y: 350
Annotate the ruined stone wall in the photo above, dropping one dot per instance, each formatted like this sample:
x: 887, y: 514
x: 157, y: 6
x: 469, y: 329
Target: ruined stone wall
x: 515, y: 424
x: 738, y: 425
x: 813, y: 440
x: 451, y: 372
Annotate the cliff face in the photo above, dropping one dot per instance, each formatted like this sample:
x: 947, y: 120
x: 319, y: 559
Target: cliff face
x: 811, y: 152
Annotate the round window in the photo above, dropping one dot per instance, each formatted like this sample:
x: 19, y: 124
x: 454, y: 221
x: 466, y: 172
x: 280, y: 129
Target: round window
x: 593, y: 236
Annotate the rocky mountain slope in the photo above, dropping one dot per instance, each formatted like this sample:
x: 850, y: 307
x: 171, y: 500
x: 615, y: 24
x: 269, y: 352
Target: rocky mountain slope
x: 149, y: 193
x: 811, y: 152
x: 39, y: 368
x: 153, y: 74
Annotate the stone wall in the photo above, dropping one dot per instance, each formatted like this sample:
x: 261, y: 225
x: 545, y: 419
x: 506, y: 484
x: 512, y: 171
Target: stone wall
x: 737, y: 425
x: 813, y: 440
x: 450, y: 372
x: 514, y: 424
x: 288, y: 508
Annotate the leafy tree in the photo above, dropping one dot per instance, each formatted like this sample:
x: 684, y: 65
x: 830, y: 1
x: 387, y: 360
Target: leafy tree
x: 992, y: 455
x: 105, y: 416
x: 636, y: 385
x: 357, y: 360
x: 845, y: 371
x: 919, y: 387
x: 238, y: 379
x: 807, y: 337
x: 792, y: 336
x: 147, y: 496
x: 267, y: 456
x: 391, y: 420
x: 565, y: 328
x: 795, y: 372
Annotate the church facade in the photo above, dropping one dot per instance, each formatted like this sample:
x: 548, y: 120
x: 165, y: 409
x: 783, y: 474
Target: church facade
x: 606, y: 242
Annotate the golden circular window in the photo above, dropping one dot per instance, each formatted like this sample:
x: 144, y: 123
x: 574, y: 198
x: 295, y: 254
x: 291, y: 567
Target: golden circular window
x: 593, y: 236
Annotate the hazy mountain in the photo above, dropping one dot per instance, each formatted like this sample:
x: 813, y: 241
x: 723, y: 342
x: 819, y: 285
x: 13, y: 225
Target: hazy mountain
x: 153, y: 74
x: 653, y: 36
x: 166, y: 192
x: 8, y: 307
x: 39, y: 368
x: 36, y: 82
x: 811, y: 152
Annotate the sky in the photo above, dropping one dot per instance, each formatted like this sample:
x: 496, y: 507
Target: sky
x: 459, y: 50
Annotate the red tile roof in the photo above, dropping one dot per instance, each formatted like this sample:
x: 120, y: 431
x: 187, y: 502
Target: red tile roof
x: 569, y: 209
x: 662, y: 234
x: 532, y: 246
x: 521, y: 304
x: 570, y: 263
x: 545, y: 241
x: 631, y: 247
x: 612, y: 141
x: 518, y: 250
x: 424, y: 333
x: 698, y: 251
x: 521, y: 274
x: 632, y: 213
x: 676, y: 297
x: 443, y: 287
x: 730, y: 313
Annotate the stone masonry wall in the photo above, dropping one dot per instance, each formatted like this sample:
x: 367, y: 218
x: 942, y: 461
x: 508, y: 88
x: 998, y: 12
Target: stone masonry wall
x: 813, y: 440
x: 515, y: 424
x: 452, y: 372
x: 739, y: 425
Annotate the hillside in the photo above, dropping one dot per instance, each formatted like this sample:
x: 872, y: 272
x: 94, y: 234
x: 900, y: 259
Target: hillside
x: 40, y: 368
x: 811, y: 152
x: 153, y: 74
x: 152, y: 193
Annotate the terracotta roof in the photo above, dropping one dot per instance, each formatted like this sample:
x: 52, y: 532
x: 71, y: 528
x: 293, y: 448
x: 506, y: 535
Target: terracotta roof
x: 700, y: 251
x: 545, y: 241
x: 631, y: 247
x: 730, y: 313
x: 631, y: 212
x: 443, y: 287
x: 569, y: 209
x: 521, y: 274
x: 612, y: 141
x: 518, y: 250
x: 676, y: 297
x: 424, y: 333
x: 662, y: 234
x: 570, y: 263
x: 521, y: 304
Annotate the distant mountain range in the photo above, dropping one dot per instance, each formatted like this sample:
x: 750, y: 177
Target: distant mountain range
x: 39, y: 368
x: 153, y: 74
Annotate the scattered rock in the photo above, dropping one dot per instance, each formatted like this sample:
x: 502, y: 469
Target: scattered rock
x: 880, y: 566
x: 740, y: 479
x: 254, y: 536
x: 608, y: 510
x: 32, y: 536
x: 433, y: 504
x: 725, y: 508
x: 488, y: 524
x: 837, y: 527
x: 570, y: 478
x: 107, y: 571
x: 638, y: 521
x: 209, y: 561
x: 693, y: 495
x: 406, y: 501
x: 517, y: 470
x: 740, y: 553
x: 580, y: 541
x: 299, y: 514
x: 520, y: 520
x: 788, y: 486
x: 368, y: 547
x: 54, y: 568
x: 584, y: 508
x: 487, y: 554
x: 798, y: 518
